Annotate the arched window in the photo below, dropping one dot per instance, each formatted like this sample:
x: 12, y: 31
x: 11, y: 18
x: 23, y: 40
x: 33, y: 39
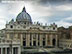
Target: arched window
x: 53, y: 42
x: 53, y: 28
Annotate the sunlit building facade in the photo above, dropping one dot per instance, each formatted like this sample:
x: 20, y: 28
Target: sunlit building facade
x: 31, y: 34
x: 24, y: 33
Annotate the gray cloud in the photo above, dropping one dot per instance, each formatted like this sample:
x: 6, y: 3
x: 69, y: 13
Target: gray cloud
x: 45, y: 11
x: 49, y: 2
x: 69, y: 21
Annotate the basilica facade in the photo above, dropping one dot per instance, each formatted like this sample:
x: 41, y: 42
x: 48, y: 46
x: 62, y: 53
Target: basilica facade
x: 31, y: 34
x: 23, y: 33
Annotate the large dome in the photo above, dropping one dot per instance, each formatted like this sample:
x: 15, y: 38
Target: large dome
x: 23, y: 16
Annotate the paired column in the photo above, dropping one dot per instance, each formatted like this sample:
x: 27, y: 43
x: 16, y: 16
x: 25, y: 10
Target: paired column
x: 32, y: 39
x: 21, y: 40
x: 51, y: 40
x: 36, y: 39
x: 28, y: 40
x: 56, y: 41
x: 40, y: 40
x: 46, y: 43
x: 19, y: 50
x: 3, y: 50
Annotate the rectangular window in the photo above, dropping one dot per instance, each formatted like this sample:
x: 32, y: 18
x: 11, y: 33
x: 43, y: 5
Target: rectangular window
x: 38, y: 44
x: 30, y: 44
x: 24, y: 43
x: 43, y: 43
x: 34, y: 43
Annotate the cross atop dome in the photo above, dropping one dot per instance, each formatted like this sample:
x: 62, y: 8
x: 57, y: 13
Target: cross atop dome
x: 24, y: 10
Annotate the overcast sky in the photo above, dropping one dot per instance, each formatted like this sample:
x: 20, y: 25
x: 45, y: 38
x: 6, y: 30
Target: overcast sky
x: 44, y: 11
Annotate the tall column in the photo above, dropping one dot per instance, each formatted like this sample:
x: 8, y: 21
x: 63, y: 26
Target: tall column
x: 12, y: 50
x: 56, y: 41
x: 46, y: 43
x: 32, y: 40
x: 19, y: 50
x: 36, y: 39
x: 5, y: 50
x: 21, y: 40
x: 28, y: 40
x: 1, y: 50
x: 40, y: 40
x: 48, y: 39
x: 51, y: 40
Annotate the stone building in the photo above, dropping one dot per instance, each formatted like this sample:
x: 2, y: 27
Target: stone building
x: 8, y: 46
x: 31, y: 34
x: 65, y: 37
x: 23, y: 33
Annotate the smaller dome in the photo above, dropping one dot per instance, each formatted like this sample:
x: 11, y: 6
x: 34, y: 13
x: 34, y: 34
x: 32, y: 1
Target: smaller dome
x: 23, y: 16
